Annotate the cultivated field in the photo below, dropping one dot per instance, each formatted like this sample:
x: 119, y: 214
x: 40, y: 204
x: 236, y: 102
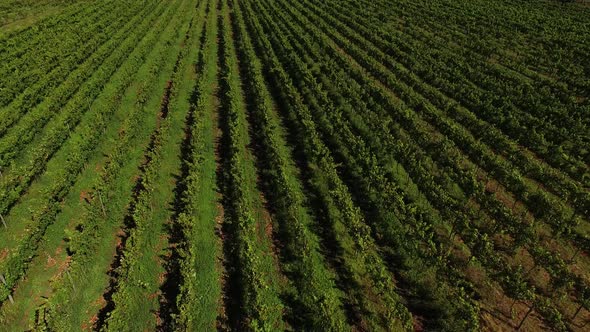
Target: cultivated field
x: 301, y: 165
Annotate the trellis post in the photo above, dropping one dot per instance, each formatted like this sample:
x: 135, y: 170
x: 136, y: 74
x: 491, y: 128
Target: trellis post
x: 6, y: 284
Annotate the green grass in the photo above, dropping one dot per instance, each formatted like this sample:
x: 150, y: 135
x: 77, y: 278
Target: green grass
x: 138, y: 279
x: 84, y: 301
x: 13, y: 27
x: 45, y: 203
x: 322, y: 165
x: 259, y: 277
x: 34, y: 198
x: 200, y: 300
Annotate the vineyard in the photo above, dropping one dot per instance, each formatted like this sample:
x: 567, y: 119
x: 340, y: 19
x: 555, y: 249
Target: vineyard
x: 301, y: 165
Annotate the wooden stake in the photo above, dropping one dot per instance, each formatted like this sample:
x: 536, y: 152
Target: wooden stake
x: 104, y: 212
x: 575, y: 254
x: 525, y: 317
x: 6, y: 284
x: 578, y: 311
x: 71, y: 280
